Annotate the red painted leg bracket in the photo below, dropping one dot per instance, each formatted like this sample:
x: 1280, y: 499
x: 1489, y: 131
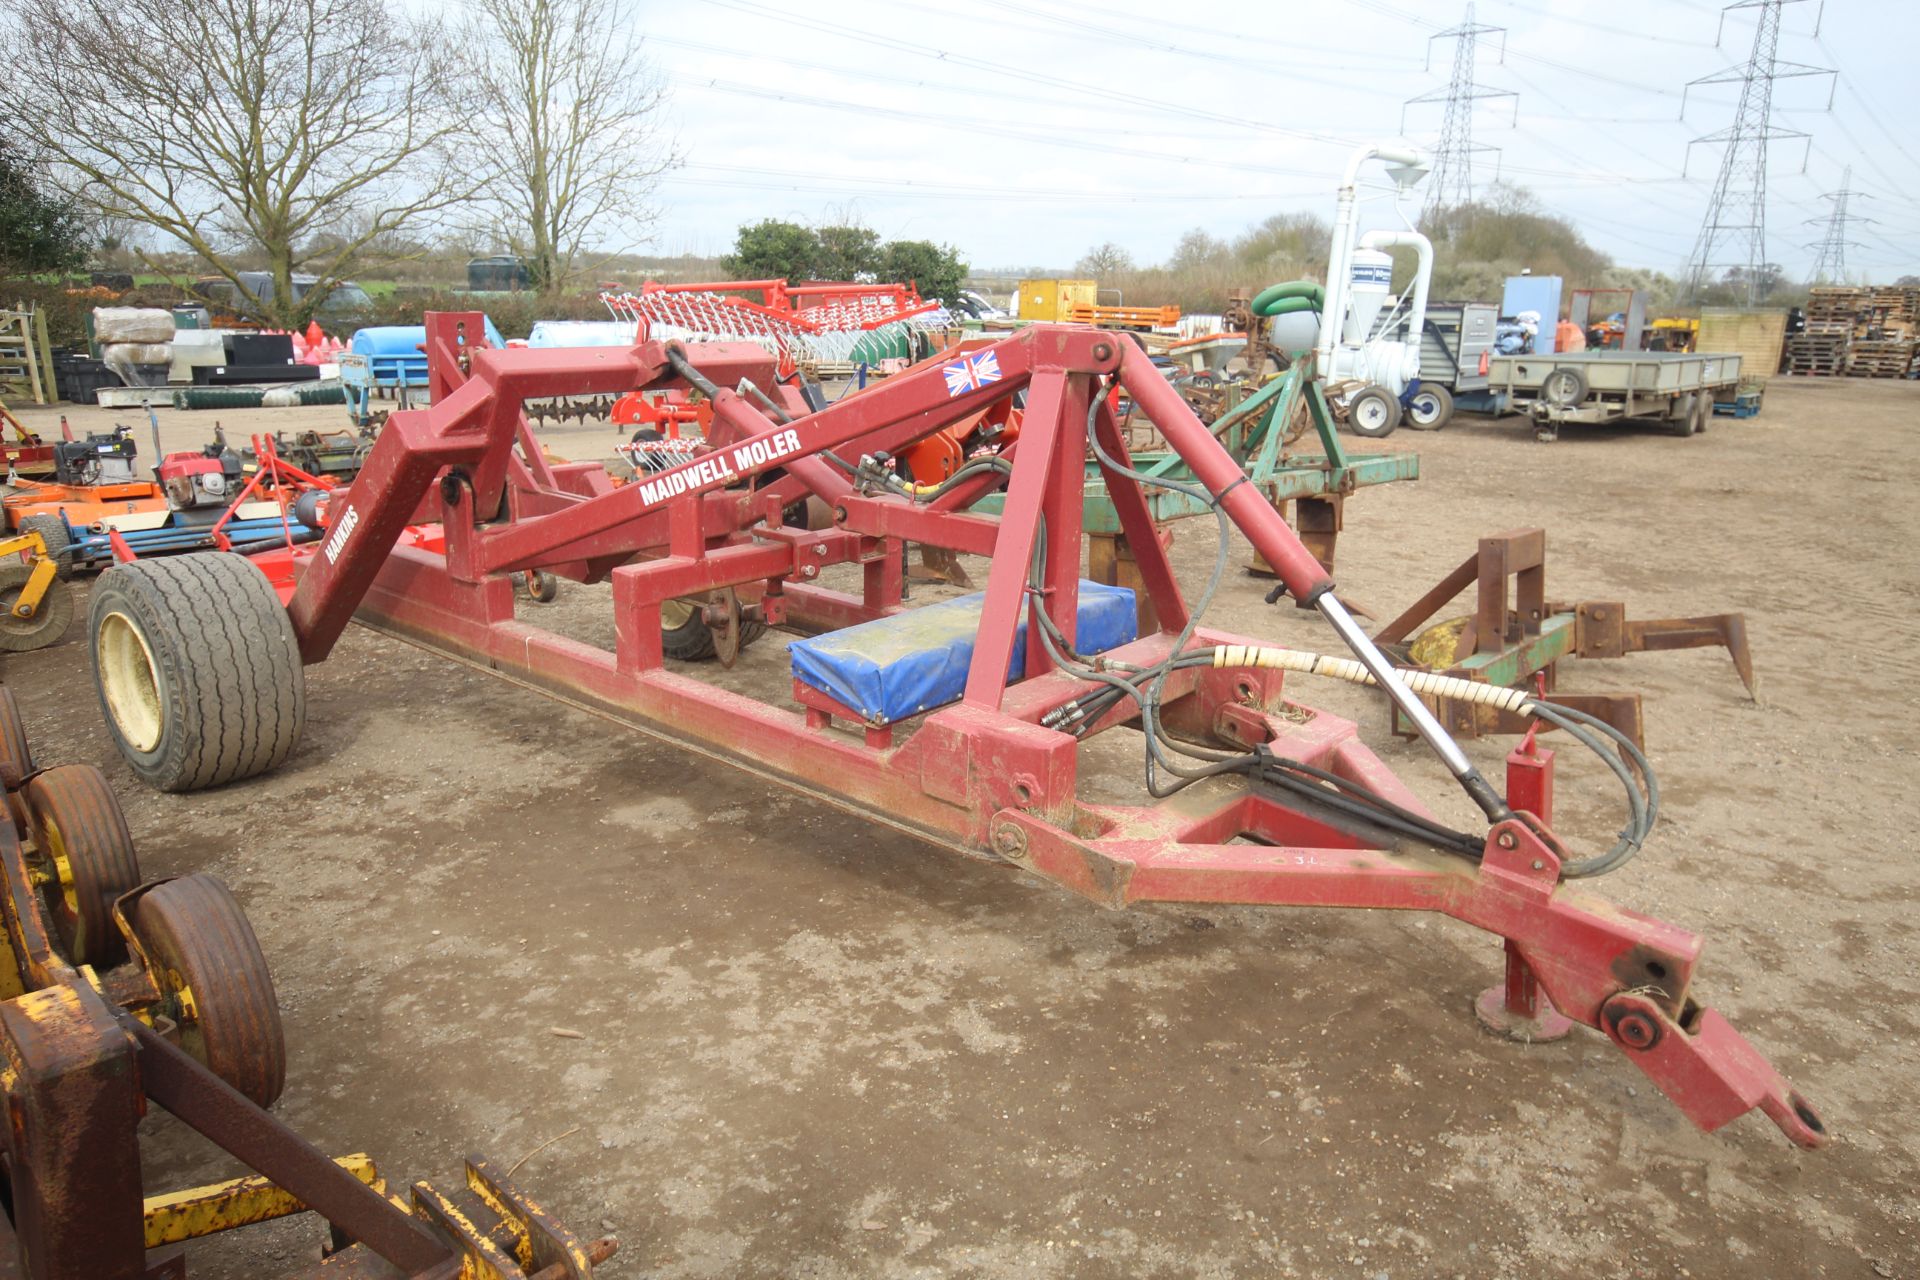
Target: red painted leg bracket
x: 1517, y: 1008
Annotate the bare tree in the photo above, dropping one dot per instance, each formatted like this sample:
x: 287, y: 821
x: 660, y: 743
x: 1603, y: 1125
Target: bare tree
x: 243, y: 126
x: 1103, y: 260
x: 571, y: 105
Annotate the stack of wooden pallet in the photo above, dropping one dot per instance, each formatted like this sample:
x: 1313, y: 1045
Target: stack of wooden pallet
x: 1864, y: 331
x: 1820, y: 355
x: 1837, y: 309
x: 1880, y: 358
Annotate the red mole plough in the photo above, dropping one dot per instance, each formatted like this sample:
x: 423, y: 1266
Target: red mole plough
x: 966, y: 717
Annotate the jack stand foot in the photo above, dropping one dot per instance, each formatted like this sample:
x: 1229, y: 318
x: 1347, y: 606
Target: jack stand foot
x: 1547, y: 1023
x: 1518, y: 1009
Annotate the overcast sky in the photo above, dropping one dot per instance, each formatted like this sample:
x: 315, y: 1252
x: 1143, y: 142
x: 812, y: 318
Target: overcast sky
x: 1025, y: 131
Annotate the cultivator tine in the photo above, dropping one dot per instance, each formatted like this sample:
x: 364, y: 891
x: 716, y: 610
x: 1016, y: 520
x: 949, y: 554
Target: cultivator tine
x: 501, y: 1234
x: 1724, y: 631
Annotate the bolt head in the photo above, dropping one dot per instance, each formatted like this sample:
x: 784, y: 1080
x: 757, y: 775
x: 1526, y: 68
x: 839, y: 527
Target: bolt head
x: 1506, y: 840
x: 1538, y: 865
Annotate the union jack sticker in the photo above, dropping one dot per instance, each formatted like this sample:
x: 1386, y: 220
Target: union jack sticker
x: 971, y: 373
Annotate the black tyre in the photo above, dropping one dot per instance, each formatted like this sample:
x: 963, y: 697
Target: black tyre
x: 53, y: 532
x: 1430, y: 409
x: 306, y: 509
x: 1703, y: 412
x: 48, y: 623
x: 16, y: 759
x: 543, y: 587
x: 214, y: 983
x: 197, y: 669
x: 684, y: 633
x: 81, y: 841
x: 1373, y: 412
x: 1683, y: 415
x: 1564, y: 387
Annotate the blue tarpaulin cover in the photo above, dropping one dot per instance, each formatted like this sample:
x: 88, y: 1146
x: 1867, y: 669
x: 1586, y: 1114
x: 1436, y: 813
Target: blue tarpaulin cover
x: 897, y: 667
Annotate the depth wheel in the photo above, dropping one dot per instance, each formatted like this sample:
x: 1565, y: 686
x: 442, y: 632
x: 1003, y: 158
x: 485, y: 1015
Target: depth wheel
x: 542, y: 586
x: 684, y: 633
x: 215, y: 983
x: 85, y: 858
x: 48, y: 623
x: 197, y: 669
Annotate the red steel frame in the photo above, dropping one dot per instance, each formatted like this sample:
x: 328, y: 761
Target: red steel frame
x: 982, y: 775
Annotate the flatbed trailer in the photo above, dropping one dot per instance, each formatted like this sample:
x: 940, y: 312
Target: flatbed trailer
x: 1675, y: 388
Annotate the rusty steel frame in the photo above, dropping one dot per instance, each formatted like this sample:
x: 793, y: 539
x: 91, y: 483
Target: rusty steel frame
x: 982, y: 775
x: 1516, y: 637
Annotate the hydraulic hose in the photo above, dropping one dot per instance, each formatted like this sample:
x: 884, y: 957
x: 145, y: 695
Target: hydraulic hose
x: 1304, y: 577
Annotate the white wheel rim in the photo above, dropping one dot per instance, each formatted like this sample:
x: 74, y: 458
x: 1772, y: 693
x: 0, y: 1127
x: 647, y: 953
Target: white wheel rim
x: 675, y: 614
x: 130, y: 682
x: 1373, y: 412
x: 1425, y: 408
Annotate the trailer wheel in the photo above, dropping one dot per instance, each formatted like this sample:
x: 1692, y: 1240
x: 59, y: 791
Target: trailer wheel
x: 85, y: 852
x: 48, y: 623
x: 197, y: 669
x: 1373, y: 412
x: 53, y: 531
x: 1703, y: 412
x: 1564, y: 387
x: 684, y: 633
x: 215, y: 983
x: 1683, y: 415
x: 1430, y: 409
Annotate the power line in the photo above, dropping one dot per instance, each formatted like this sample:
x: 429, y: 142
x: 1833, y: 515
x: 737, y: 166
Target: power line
x: 1734, y: 232
x: 1452, y: 181
x: 754, y: 8
x: 1056, y: 138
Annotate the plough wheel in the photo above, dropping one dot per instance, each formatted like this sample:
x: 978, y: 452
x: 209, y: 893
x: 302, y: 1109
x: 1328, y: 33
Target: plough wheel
x: 214, y: 983
x: 684, y: 633
x: 197, y: 669
x: 48, y: 623
x: 85, y: 857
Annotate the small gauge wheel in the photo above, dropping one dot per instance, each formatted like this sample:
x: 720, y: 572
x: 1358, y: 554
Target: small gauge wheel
x: 49, y: 621
x: 723, y: 620
x: 542, y: 586
x: 214, y: 983
x: 84, y: 858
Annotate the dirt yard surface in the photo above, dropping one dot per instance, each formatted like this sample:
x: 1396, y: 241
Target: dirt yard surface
x: 756, y: 1036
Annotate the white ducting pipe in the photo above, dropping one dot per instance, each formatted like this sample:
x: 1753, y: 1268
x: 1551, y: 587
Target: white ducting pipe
x: 1422, y: 280
x: 1346, y: 219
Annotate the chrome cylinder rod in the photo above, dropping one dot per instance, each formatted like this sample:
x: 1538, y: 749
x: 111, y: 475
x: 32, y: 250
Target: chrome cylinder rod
x: 1430, y: 730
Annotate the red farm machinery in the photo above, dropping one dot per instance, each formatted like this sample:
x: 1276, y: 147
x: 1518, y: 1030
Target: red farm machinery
x: 960, y: 722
